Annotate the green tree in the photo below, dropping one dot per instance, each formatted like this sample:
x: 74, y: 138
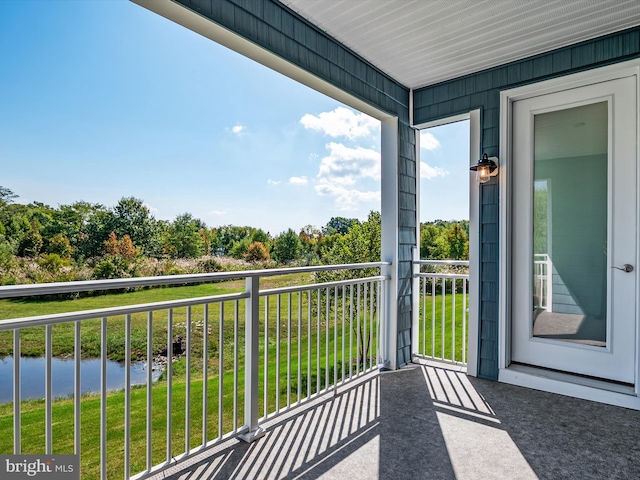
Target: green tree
x: 361, y: 244
x: 6, y: 196
x: 287, y: 247
x: 132, y: 217
x: 458, y: 242
x: 339, y: 225
x: 182, y: 238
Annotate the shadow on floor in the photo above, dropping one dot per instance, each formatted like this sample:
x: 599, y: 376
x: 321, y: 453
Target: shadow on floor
x: 432, y: 423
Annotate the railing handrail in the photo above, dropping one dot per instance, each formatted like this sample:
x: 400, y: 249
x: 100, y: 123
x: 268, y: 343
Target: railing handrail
x: 461, y: 263
x: 51, y: 319
x: 26, y: 290
x: 442, y: 275
x: 40, y: 320
x: 315, y: 286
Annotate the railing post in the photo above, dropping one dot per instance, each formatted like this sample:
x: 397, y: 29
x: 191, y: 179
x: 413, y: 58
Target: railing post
x: 251, y: 334
x: 415, y: 300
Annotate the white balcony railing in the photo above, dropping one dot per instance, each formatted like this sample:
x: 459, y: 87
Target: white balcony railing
x: 443, y: 314
x: 542, y: 282
x: 294, y: 343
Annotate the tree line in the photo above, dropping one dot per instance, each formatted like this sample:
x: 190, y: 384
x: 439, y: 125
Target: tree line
x: 83, y: 240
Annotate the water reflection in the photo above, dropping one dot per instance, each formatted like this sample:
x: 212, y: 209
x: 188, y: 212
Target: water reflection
x: 32, y: 377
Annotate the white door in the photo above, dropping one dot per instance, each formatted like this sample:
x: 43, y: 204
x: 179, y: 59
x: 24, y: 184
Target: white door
x: 574, y: 220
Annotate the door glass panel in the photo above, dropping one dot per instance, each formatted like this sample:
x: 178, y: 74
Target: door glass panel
x: 570, y: 205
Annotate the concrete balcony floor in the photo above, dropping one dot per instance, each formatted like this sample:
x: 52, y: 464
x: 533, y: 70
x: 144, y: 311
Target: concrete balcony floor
x: 432, y: 422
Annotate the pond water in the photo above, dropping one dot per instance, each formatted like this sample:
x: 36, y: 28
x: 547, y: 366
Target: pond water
x: 32, y: 376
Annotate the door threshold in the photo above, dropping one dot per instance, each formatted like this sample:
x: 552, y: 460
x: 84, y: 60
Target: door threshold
x: 601, y: 384
x: 571, y: 385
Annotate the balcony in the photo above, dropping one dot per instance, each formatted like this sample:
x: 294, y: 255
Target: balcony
x: 296, y: 372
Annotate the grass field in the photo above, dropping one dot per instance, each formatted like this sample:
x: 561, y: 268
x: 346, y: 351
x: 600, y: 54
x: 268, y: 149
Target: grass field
x: 315, y: 339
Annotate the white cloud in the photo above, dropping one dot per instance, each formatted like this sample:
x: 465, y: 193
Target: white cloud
x: 151, y: 209
x: 298, y: 180
x: 428, y: 141
x: 342, y: 122
x: 273, y: 182
x: 217, y: 212
x: 428, y: 172
x: 238, y: 129
x: 341, y: 172
x: 345, y: 198
x: 345, y: 165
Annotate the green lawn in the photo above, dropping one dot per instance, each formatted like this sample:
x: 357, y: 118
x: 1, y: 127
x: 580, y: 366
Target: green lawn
x: 310, y: 334
x: 431, y: 326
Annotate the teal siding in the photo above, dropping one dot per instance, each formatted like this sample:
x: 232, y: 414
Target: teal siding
x: 274, y: 27
x: 482, y: 90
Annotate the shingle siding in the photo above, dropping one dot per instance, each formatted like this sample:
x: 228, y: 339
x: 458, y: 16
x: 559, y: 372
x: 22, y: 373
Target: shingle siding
x: 273, y: 26
x: 482, y: 90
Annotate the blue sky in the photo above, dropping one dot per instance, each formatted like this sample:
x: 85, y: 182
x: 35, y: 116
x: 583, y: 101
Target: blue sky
x: 104, y: 99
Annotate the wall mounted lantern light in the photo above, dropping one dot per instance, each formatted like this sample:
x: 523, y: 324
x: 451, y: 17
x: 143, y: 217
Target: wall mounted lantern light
x: 486, y: 168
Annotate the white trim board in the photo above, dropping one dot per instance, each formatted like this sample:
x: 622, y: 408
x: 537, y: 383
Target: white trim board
x: 514, y: 374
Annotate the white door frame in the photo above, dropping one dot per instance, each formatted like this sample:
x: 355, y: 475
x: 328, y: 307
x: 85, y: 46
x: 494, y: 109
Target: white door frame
x: 545, y: 380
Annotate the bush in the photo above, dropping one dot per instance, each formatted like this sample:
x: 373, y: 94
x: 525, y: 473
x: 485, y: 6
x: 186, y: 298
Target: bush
x: 257, y: 252
x: 53, y: 262
x: 60, y: 246
x: 111, y: 266
x: 211, y: 265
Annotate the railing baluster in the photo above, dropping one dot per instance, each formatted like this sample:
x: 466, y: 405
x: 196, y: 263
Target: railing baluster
x: 48, y: 418
x: 277, y: 392
x: 187, y: 406
x: 350, y: 330
x: 77, y: 388
x: 221, y: 371
x: 358, y: 333
x: 150, y: 366
x: 266, y: 356
x: 205, y: 373
x: 464, y: 320
x: 17, y: 393
x: 335, y: 337
x: 423, y: 284
x: 365, y: 315
x: 127, y: 396
x: 103, y: 398
x: 318, y: 345
x: 169, y: 370
x: 299, y: 337
x: 433, y: 317
x: 289, y: 349
x: 327, y: 321
x: 309, y: 335
x: 344, y: 306
x: 443, y: 317
x: 371, y: 318
x: 236, y: 366
x: 453, y: 319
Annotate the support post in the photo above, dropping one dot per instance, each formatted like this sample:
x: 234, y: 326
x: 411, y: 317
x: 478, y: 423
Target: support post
x: 389, y: 191
x: 252, y: 329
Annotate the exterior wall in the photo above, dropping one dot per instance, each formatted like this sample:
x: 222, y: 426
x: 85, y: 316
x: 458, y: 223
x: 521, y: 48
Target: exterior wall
x: 482, y: 90
x: 279, y: 30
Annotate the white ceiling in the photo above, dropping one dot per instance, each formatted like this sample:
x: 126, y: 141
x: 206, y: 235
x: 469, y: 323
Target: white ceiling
x: 423, y: 42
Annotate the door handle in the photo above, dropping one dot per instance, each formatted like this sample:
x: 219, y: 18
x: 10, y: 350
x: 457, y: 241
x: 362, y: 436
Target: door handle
x: 625, y: 268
